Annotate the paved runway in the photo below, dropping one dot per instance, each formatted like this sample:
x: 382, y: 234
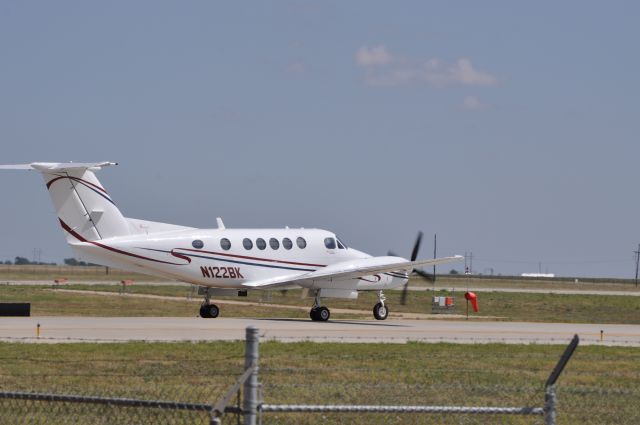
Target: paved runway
x: 108, y: 329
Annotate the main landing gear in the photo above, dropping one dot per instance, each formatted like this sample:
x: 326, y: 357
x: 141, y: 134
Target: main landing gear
x: 208, y: 310
x: 318, y: 312
x: 380, y: 311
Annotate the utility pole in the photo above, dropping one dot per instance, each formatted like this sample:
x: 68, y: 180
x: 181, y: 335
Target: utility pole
x: 637, y: 263
x: 468, y: 262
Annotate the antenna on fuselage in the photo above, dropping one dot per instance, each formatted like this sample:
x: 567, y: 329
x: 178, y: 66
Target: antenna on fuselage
x: 220, y: 223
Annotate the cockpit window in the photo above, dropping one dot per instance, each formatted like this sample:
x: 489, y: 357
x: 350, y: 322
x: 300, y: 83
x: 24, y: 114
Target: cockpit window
x: 340, y: 244
x: 330, y: 243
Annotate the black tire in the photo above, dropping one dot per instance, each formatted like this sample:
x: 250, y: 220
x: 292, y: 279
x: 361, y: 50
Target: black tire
x: 213, y: 311
x: 204, y: 313
x: 323, y: 314
x: 380, y: 312
x: 313, y: 314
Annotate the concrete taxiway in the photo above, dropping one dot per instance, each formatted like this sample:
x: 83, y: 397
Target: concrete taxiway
x: 120, y: 329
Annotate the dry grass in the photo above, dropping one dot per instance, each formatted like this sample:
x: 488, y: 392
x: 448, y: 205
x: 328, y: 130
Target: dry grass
x: 599, y: 386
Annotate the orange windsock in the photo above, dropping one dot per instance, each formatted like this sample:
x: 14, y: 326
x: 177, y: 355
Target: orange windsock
x: 471, y: 296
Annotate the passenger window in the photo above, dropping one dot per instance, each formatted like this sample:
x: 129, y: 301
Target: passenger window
x: 197, y: 244
x: 248, y: 245
x: 302, y: 244
x: 225, y: 244
x: 261, y: 244
x: 273, y: 243
x: 330, y: 243
x: 287, y: 244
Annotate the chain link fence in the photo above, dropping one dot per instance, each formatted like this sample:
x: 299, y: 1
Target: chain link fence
x: 312, y: 383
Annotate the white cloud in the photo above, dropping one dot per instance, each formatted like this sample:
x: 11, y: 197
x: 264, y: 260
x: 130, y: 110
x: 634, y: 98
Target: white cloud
x: 373, y: 56
x: 464, y: 73
x: 433, y: 71
x: 472, y: 103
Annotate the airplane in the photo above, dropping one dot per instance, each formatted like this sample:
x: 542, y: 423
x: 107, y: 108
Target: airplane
x: 221, y: 261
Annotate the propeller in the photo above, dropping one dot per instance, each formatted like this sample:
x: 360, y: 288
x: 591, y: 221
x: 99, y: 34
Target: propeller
x: 425, y: 275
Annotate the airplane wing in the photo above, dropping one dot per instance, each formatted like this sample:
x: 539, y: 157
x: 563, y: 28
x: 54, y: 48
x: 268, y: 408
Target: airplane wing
x: 351, y: 270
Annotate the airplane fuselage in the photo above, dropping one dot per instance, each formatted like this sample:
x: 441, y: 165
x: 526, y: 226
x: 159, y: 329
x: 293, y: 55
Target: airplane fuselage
x: 227, y: 258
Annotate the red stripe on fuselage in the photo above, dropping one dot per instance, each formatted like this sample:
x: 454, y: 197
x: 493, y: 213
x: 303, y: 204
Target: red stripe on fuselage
x: 119, y: 251
x: 253, y: 258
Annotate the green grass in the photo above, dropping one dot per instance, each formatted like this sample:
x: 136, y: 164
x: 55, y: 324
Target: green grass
x: 47, y: 302
x: 600, y: 385
x: 501, y: 305
x: 50, y: 273
x: 99, y: 273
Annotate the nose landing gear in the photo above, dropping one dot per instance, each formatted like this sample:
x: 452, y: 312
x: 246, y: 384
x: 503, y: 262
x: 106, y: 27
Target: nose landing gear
x: 380, y: 310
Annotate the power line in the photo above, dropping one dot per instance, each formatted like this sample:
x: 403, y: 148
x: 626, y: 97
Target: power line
x: 637, y: 263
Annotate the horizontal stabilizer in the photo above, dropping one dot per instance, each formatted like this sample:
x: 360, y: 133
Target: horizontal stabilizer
x: 58, y: 166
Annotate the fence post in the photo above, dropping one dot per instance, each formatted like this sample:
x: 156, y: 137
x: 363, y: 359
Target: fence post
x: 251, y: 356
x: 550, y: 405
x: 550, y: 385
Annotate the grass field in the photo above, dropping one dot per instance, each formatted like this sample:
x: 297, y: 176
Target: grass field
x: 537, y: 307
x: 50, y: 273
x: 601, y: 384
x: 99, y: 273
x: 501, y: 305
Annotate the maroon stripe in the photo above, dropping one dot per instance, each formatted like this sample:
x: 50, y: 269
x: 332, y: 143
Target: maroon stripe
x: 253, y: 258
x: 119, y: 251
x: 78, y: 180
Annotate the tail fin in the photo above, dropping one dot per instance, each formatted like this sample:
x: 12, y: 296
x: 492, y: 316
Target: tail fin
x: 84, y: 208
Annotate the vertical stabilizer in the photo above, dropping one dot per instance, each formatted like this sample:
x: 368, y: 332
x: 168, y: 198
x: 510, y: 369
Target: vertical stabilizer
x: 83, y: 206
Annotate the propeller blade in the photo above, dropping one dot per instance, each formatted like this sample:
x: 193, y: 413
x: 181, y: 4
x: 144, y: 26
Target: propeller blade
x: 304, y: 294
x: 435, y: 253
x: 403, y: 297
x: 416, y: 247
x: 428, y: 276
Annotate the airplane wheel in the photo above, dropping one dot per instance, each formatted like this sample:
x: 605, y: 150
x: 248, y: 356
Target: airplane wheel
x: 323, y: 314
x: 213, y: 311
x: 380, y: 312
x: 313, y: 314
x: 203, y: 312
x: 209, y: 311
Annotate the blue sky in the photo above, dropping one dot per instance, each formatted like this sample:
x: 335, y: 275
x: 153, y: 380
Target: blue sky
x: 508, y: 128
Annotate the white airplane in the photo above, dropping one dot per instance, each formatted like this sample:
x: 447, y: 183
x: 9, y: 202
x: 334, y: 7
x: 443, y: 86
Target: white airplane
x: 220, y: 261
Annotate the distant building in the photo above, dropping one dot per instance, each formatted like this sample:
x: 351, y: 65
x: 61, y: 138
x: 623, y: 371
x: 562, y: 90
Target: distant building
x: 538, y: 275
